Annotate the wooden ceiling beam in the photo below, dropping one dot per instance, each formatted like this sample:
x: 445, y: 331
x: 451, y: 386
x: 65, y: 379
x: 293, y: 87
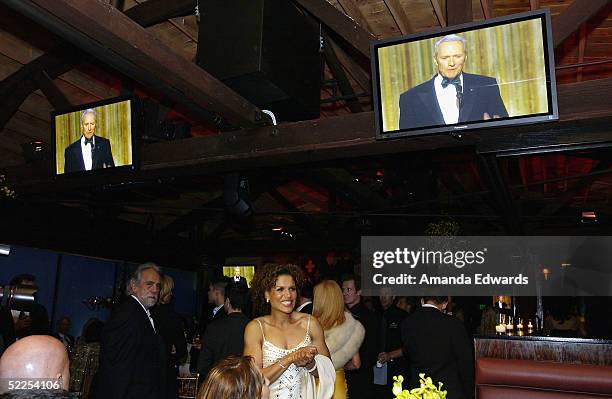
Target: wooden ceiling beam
x: 351, y: 9
x: 565, y: 198
x: 15, y: 88
x: 310, y: 226
x: 53, y: 93
x: 153, y: 12
x: 354, y: 191
x: 435, y: 4
x: 340, y: 23
x: 458, y: 12
x: 575, y: 15
x: 344, y: 84
x: 487, y: 8
x: 101, y: 30
x: 347, y: 136
x: 357, y: 73
x: 399, y: 16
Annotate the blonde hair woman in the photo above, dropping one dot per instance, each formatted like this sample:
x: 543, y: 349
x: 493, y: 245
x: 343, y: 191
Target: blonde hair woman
x: 235, y: 377
x: 343, y: 334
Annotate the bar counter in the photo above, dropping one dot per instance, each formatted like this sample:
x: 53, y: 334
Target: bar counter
x: 542, y: 348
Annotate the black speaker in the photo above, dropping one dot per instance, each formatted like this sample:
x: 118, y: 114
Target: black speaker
x: 266, y: 50
x: 236, y: 196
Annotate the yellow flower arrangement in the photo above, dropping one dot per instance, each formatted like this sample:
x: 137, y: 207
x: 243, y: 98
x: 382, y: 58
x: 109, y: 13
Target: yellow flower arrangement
x: 427, y: 390
x: 5, y: 191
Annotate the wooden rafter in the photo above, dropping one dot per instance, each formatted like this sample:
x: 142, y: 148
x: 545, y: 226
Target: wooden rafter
x: 493, y: 177
x: 565, y: 198
x: 458, y: 12
x: 438, y: 12
x: 348, y: 136
x: 357, y: 73
x: 582, y: 33
x: 399, y: 16
x: 112, y: 37
x: 55, y: 96
x: 196, y: 216
x: 344, y: 84
x: 575, y: 15
x: 15, y: 88
x: 307, y: 223
x: 340, y: 23
x: 344, y: 183
x: 352, y: 10
x: 487, y: 8
x: 153, y: 12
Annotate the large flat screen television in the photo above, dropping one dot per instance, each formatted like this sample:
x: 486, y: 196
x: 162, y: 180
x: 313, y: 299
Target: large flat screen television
x: 96, y: 137
x: 496, y: 72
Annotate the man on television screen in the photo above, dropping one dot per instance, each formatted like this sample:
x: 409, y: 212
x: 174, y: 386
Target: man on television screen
x: 90, y: 151
x: 451, y: 96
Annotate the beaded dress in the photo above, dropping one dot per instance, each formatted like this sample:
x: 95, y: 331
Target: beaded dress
x: 289, y: 384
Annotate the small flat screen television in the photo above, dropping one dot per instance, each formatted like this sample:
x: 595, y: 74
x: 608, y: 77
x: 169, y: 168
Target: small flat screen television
x: 96, y: 137
x: 496, y: 72
x: 239, y: 272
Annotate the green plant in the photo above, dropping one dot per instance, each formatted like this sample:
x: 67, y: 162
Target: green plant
x: 447, y: 227
x: 427, y: 390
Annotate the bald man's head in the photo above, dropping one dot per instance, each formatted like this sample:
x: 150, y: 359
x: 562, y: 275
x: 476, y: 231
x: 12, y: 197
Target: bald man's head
x: 36, y: 356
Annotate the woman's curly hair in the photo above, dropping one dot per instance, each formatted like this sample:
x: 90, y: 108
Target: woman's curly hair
x: 265, y: 279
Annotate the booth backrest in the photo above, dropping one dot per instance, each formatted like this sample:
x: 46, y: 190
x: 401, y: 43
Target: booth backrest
x: 517, y: 379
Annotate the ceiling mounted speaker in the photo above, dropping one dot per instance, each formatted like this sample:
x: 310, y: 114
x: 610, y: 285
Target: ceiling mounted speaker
x: 236, y: 196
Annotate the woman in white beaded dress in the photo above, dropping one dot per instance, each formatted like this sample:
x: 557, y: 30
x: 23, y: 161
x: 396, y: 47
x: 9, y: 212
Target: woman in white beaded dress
x: 288, y: 346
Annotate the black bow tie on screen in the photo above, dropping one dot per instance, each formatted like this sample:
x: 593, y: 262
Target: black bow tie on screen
x: 456, y: 81
x: 89, y: 141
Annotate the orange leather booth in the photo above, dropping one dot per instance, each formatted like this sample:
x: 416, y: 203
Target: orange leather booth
x: 517, y: 379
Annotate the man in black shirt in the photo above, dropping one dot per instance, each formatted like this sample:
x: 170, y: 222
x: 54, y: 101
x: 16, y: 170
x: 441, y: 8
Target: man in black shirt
x: 360, y: 381
x: 392, y: 340
x: 225, y: 336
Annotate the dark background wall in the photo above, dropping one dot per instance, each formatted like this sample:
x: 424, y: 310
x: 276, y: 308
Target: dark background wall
x: 66, y: 280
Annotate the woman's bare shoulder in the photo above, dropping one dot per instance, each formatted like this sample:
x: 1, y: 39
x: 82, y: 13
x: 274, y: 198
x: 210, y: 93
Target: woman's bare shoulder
x: 299, y: 317
x: 255, y: 324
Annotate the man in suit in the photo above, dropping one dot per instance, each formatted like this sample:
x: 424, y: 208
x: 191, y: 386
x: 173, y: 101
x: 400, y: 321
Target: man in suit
x: 305, y: 299
x: 225, y: 336
x: 90, y: 151
x: 216, y: 298
x: 131, y: 354
x: 360, y: 381
x: 438, y: 345
x: 63, y: 332
x: 238, y: 279
x: 451, y: 96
